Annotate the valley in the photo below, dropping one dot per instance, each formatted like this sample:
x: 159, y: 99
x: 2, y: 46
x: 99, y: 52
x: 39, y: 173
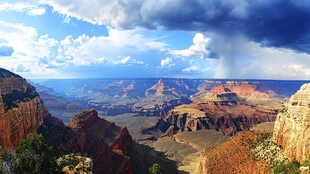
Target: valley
x: 181, y: 118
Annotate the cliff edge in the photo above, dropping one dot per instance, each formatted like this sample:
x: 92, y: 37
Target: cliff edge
x: 292, y: 126
x: 21, y: 109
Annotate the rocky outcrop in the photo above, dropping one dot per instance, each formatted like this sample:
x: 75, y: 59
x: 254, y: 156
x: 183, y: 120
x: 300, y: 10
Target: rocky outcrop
x: 170, y: 89
x: 21, y: 109
x: 103, y: 141
x: 292, y: 126
x: 228, y: 124
x: 233, y: 156
x: 221, y: 110
x: 245, y: 91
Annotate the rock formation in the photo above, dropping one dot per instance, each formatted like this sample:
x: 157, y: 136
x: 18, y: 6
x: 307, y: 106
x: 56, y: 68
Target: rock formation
x: 21, y: 109
x: 228, y: 109
x: 292, y: 126
x: 106, y: 143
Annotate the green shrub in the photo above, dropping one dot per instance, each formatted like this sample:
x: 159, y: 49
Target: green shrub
x: 34, y: 156
x: 155, y: 169
x: 306, y: 163
x: 290, y: 168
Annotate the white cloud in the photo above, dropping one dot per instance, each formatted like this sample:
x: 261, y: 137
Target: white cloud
x: 167, y: 62
x: 29, y: 48
x: 36, y: 11
x: 25, y: 40
x: 198, y: 49
x: 192, y: 68
x: 126, y: 60
x: 86, y: 50
x: 31, y: 7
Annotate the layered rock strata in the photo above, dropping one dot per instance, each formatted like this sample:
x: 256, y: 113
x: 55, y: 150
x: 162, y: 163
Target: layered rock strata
x: 292, y: 126
x: 21, y: 109
x: 228, y: 109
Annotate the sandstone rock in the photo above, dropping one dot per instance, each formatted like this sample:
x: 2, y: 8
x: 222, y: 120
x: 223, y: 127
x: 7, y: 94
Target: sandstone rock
x: 103, y: 141
x: 21, y: 109
x: 292, y: 126
x: 106, y: 143
x: 221, y: 110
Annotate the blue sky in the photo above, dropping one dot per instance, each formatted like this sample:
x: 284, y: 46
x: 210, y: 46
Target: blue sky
x: 244, y: 39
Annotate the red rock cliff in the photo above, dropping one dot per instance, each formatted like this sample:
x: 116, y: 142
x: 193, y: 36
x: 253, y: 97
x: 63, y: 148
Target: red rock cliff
x: 21, y: 109
x: 223, y: 110
x: 105, y: 142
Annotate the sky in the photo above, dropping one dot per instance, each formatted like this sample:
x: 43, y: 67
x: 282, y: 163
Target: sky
x: 238, y: 39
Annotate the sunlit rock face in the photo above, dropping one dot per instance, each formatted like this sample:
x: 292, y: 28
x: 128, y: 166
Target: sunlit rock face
x: 292, y: 126
x: 227, y: 108
x: 21, y: 109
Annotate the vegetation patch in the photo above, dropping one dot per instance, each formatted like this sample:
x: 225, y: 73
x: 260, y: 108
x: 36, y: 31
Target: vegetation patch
x: 34, y: 156
x: 264, y: 148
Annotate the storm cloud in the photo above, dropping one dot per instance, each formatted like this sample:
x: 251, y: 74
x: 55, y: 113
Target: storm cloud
x: 276, y: 23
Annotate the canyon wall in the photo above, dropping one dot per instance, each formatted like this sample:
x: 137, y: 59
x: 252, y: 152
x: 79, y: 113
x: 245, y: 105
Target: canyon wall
x: 227, y: 109
x: 21, y: 109
x: 292, y: 126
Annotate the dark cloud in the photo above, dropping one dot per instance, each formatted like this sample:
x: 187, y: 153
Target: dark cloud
x: 277, y: 23
x: 6, y: 50
x: 273, y: 23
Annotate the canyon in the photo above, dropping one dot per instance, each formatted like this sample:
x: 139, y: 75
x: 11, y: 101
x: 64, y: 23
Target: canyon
x: 190, y: 126
x: 261, y: 149
x: 213, y: 109
x: 109, y: 147
x: 154, y: 97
